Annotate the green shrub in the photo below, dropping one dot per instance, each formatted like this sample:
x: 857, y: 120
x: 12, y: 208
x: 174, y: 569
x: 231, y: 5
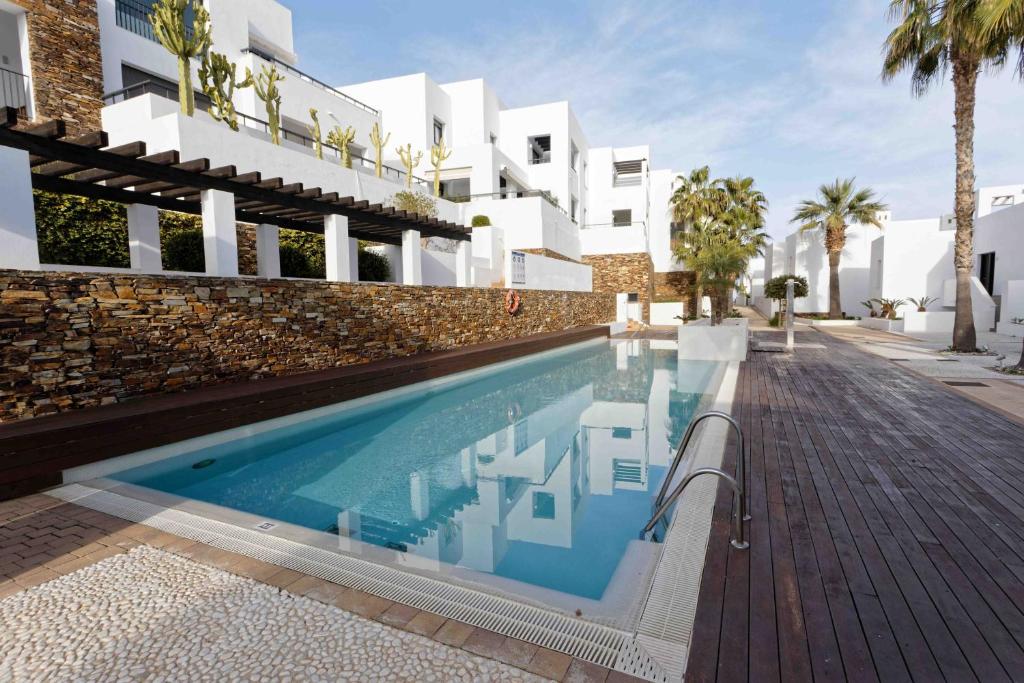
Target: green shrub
x: 407, y: 200
x: 77, y: 231
x: 302, y: 254
x: 181, y: 249
x: 481, y: 221
x: 373, y: 267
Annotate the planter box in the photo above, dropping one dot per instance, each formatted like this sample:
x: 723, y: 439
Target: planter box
x: 830, y: 323
x: 1011, y: 329
x: 699, y: 340
x: 937, y: 321
x: 883, y: 324
x: 664, y: 313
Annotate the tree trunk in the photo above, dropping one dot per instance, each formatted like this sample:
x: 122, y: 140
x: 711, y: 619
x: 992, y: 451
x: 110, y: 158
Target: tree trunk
x: 835, y: 306
x: 965, y: 78
x: 186, y: 98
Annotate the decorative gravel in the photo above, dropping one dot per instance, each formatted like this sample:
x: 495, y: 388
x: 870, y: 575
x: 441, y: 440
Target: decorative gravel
x: 149, y: 615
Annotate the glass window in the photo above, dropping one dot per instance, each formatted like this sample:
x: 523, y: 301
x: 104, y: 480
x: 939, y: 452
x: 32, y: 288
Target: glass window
x: 538, y: 149
x: 438, y: 131
x: 574, y: 156
x: 543, y: 505
x: 622, y: 217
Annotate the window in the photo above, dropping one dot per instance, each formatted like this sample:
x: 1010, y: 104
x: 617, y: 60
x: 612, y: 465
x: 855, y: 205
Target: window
x: 622, y: 218
x: 543, y: 505
x: 538, y: 149
x: 628, y: 173
x: 494, y: 139
x: 574, y: 156
x: 574, y: 205
x: 622, y: 433
x: 438, y: 131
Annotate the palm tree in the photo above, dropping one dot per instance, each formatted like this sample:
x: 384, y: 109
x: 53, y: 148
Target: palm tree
x: 837, y: 205
x: 934, y: 36
x: 695, y: 202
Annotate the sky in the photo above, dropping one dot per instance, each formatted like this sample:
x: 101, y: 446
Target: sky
x: 787, y: 92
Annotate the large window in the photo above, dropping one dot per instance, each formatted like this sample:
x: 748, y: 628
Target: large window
x: 574, y: 156
x: 133, y: 15
x: 538, y: 149
x: 622, y: 217
x: 438, y: 131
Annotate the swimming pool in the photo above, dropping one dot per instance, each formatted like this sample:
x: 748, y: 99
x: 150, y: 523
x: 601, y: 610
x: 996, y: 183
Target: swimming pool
x: 534, y: 477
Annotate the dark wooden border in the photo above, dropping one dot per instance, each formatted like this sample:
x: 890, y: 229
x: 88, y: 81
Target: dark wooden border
x: 34, y: 452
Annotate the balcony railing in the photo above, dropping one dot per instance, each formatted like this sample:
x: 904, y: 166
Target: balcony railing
x: 133, y: 15
x: 633, y: 224
x: 13, y: 89
x: 513, y: 194
x: 331, y: 154
x: 309, y: 79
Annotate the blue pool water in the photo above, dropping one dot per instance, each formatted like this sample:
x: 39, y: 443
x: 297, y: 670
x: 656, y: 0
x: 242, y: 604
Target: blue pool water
x: 541, y: 472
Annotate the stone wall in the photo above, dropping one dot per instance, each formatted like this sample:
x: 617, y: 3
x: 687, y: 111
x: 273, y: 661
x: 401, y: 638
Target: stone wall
x: 64, y: 49
x: 674, y: 286
x: 70, y: 340
x: 246, y: 237
x: 624, y: 273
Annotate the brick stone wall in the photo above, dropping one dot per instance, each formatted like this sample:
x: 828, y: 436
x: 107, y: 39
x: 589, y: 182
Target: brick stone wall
x: 246, y: 237
x: 624, y: 273
x: 64, y: 49
x: 70, y: 340
x: 674, y: 286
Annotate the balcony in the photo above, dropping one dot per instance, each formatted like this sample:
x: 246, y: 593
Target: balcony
x: 284, y: 66
x: 614, y: 238
x: 519, y: 194
x: 133, y: 15
x: 261, y: 129
x: 14, y: 90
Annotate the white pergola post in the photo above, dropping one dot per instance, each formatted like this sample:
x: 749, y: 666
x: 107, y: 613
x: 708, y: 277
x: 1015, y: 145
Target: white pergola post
x: 336, y: 248
x: 353, y: 258
x: 268, y: 251
x: 393, y: 253
x: 220, y: 234
x: 464, y: 264
x: 412, y: 266
x: 144, y: 238
x: 19, y: 243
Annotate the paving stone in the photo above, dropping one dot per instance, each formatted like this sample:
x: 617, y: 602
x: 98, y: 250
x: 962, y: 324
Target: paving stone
x: 282, y: 578
x: 398, y: 615
x: 364, y: 604
x: 485, y: 643
x: 549, y: 664
x: 585, y: 672
x: 425, y: 623
x: 454, y: 633
x: 517, y: 652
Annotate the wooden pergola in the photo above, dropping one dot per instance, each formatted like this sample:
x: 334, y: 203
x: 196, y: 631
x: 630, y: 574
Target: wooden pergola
x: 85, y: 165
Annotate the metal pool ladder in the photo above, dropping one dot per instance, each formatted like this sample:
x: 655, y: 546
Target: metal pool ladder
x: 663, y: 502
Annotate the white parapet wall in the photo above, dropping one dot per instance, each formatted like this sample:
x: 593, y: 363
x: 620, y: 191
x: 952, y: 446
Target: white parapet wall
x: 699, y: 340
x: 883, y: 324
x: 665, y: 313
x: 533, y: 271
x: 915, y: 322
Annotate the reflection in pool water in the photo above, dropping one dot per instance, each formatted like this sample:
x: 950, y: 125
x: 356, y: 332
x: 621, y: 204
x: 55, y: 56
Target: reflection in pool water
x: 542, y: 472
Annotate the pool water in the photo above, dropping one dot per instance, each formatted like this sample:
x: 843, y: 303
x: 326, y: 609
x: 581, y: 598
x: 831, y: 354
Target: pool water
x: 541, y: 472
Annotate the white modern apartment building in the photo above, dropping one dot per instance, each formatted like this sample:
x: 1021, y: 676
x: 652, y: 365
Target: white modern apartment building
x: 562, y: 214
x: 914, y: 259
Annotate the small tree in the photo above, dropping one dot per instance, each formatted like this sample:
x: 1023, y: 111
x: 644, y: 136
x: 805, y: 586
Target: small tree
x: 409, y: 161
x: 438, y: 155
x: 218, y: 81
x: 266, y: 89
x: 171, y: 31
x: 775, y: 288
x: 378, y: 143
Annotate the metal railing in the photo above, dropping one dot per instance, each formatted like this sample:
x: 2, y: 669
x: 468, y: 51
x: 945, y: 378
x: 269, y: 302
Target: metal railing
x: 664, y: 501
x: 544, y: 158
x: 309, y: 79
x: 133, y: 15
x: 512, y: 194
x: 13, y: 89
x: 331, y: 154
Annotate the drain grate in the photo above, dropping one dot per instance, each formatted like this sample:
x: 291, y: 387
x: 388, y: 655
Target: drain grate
x: 602, y: 645
x: 948, y: 360
x: 954, y: 383
x: 899, y: 360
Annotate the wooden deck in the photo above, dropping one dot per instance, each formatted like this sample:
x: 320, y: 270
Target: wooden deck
x: 887, y: 539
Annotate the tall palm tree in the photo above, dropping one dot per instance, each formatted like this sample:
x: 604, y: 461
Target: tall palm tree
x: 838, y: 204
x: 932, y: 38
x: 694, y: 203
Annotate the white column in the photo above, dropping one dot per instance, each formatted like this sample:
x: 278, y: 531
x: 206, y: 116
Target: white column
x: 353, y: 259
x: 144, y: 238
x: 220, y: 234
x: 336, y: 249
x: 394, y: 257
x: 268, y: 251
x: 19, y: 243
x: 464, y: 264
x: 412, y: 267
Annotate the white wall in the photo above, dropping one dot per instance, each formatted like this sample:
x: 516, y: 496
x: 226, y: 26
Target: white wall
x: 1002, y: 232
x: 438, y: 268
x: 659, y: 225
x: 912, y: 258
x: 529, y: 223
x: 611, y: 240
x: 806, y: 255
x: 543, y: 272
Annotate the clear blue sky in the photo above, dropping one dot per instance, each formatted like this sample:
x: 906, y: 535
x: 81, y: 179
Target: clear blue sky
x: 785, y: 91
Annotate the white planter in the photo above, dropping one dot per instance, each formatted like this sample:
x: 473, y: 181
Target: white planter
x: 935, y: 321
x: 832, y: 323
x: 883, y: 324
x: 1011, y: 329
x: 699, y: 340
x: 665, y: 313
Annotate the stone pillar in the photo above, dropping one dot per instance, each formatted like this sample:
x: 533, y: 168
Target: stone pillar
x: 412, y: 265
x: 336, y: 249
x: 268, y: 251
x: 393, y: 254
x: 19, y: 243
x: 464, y: 264
x: 220, y: 234
x: 144, y: 238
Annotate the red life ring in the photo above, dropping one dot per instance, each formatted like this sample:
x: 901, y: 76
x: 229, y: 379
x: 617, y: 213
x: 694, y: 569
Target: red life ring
x: 512, y: 301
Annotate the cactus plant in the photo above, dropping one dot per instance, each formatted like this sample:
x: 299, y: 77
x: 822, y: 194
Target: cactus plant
x: 218, y: 81
x: 266, y: 89
x: 378, y: 144
x: 168, y: 22
x: 314, y: 130
x: 438, y: 154
x: 410, y: 162
x: 341, y: 139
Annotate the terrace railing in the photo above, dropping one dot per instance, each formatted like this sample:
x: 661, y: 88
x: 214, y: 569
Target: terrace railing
x: 512, y: 194
x: 284, y: 66
x: 641, y: 225
x: 13, y: 89
x: 133, y: 15
x: 306, y: 143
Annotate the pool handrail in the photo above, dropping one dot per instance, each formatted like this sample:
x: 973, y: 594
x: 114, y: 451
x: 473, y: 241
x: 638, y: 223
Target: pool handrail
x: 739, y: 540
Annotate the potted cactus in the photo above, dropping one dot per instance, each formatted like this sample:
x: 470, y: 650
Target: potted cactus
x: 266, y: 89
x: 218, y: 81
x: 378, y: 141
x: 169, y: 27
x: 340, y: 139
x: 438, y: 155
x: 409, y: 161
x: 922, y: 303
